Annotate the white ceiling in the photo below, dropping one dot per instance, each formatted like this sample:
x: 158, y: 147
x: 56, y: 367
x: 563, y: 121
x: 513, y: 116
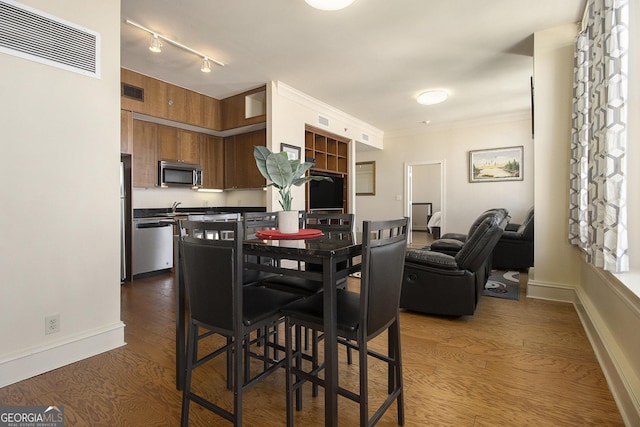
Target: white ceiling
x: 370, y: 60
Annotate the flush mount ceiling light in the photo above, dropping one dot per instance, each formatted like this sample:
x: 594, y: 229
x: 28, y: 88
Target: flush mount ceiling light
x: 156, y: 46
x: 432, y: 97
x: 329, y: 4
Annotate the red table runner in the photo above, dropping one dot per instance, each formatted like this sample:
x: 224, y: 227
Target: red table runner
x: 303, y: 233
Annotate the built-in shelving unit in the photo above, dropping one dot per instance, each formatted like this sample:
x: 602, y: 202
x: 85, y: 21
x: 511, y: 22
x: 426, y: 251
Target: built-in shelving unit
x: 330, y: 153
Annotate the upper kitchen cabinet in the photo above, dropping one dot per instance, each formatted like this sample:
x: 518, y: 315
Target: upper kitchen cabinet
x: 240, y: 170
x: 126, y: 132
x: 178, y: 145
x: 244, y: 109
x: 144, y: 158
x: 146, y: 95
x: 212, y: 161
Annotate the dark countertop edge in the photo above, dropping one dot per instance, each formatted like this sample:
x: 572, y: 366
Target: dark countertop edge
x: 156, y: 212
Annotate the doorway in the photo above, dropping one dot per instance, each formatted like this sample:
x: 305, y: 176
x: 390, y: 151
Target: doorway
x: 425, y: 199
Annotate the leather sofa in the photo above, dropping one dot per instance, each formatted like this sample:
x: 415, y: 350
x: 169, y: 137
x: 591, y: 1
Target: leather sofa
x: 514, y: 250
x: 445, y: 284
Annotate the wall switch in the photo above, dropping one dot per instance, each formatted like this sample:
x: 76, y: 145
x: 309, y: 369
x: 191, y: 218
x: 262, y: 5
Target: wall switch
x: 52, y: 324
x: 398, y: 197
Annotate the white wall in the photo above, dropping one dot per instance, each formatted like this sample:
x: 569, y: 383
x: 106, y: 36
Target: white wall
x: 59, y: 244
x: 609, y: 310
x: 464, y: 201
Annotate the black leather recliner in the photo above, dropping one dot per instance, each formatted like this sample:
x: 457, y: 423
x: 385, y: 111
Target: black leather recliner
x: 439, y: 283
x: 514, y: 250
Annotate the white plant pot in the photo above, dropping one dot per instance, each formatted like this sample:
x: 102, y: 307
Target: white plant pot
x: 288, y: 222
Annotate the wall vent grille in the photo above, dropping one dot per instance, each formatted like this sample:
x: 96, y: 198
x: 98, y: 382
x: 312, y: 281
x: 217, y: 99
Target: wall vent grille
x: 323, y: 120
x: 365, y: 137
x: 132, y: 92
x: 34, y: 35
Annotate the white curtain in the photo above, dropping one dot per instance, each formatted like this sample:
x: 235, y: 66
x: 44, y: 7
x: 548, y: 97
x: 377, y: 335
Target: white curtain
x: 598, y: 169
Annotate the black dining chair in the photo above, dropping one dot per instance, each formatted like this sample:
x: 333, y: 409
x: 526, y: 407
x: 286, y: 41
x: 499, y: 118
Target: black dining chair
x: 360, y: 318
x: 218, y: 303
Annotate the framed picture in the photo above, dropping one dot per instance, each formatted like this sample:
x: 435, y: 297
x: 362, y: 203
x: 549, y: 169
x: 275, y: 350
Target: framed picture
x: 292, y: 151
x: 496, y: 164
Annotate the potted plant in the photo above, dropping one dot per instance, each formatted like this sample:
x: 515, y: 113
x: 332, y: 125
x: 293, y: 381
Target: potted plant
x: 282, y: 174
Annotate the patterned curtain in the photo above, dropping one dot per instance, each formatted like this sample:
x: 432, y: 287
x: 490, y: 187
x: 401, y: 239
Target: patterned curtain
x: 598, y: 169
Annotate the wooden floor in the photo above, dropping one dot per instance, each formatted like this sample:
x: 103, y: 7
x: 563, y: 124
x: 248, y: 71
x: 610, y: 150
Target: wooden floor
x: 514, y: 363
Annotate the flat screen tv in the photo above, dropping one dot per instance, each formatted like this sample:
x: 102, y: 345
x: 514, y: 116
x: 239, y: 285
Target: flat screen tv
x: 326, y: 194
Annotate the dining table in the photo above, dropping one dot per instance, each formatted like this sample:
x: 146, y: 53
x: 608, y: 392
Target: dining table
x: 339, y: 254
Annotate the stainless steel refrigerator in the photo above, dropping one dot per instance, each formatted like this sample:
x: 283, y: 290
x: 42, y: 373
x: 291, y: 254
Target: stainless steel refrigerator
x: 123, y: 252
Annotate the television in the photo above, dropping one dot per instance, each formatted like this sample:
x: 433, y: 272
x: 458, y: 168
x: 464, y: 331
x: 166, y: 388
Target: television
x: 326, y: 194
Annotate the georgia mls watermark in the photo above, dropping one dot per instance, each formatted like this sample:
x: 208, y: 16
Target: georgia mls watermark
x: 31, y: 416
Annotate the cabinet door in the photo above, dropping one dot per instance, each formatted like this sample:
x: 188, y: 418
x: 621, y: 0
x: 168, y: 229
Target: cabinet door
x: 126, y: 132
x: 144, y: 168
x: 168, y: 143
x: 240, y: 166
x: 189, y: 146
x: 212, y: 160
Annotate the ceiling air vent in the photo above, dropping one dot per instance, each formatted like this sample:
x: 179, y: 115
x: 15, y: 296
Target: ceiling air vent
x: 34, y: 35
x: 133, y: 92
x: 323, y: 120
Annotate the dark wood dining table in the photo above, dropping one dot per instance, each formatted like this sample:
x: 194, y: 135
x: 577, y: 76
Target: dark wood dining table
x: 337, y: 252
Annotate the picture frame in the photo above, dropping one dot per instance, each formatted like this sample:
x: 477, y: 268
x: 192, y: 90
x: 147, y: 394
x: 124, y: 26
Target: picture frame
x: 292, y: 151
x: 366, y: 178
x: 496, y: 164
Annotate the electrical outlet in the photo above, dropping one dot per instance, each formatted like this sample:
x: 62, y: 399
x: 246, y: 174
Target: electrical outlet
x: 52, y: 324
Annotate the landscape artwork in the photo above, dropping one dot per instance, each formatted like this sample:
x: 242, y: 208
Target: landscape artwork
x: 496, y: 164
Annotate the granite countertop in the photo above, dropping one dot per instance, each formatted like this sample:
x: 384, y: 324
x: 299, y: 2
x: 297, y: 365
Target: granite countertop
x: 167, y: 212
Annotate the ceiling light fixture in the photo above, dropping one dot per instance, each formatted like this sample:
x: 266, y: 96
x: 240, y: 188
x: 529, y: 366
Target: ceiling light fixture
x: 432, y: 97
x: 206, y: 65
x: 329, y: 4
x: 156, y: 45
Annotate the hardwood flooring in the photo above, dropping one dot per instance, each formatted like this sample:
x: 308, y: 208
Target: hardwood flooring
x: 513, y: 363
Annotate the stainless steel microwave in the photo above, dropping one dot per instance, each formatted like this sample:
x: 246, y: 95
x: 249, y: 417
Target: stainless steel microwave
x: 176, y: 174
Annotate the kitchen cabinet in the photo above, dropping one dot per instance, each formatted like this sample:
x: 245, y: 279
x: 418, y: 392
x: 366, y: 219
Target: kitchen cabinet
x: 244, y: 109
x: 146, y: 95
x: 240, y: 170
x: 144, y: 158
x: 126, y: 132
x: 178, y: 145
x: 212, y: 161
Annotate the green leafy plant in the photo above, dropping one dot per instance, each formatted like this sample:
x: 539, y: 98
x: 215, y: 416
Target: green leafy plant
x: 283, y: 173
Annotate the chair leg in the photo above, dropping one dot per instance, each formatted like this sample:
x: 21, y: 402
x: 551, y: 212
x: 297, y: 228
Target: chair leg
x: 229, y: 364
x: 191, y: 343
x: 398, y: 369
x: 364, y: 380
x: 288, y: 362
x: 237, y: 380
x: 314, y: 357
x: 299, y: 366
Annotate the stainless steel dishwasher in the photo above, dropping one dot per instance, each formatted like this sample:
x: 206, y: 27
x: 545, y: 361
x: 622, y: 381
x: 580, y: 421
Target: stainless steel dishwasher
x: 152, y: 245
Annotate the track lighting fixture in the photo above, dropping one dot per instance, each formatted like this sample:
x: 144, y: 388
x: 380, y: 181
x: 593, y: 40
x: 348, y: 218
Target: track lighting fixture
x: 156, y: 46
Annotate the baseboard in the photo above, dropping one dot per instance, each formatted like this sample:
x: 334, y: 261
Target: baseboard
x: 37, y: 361
x: 620, y: 378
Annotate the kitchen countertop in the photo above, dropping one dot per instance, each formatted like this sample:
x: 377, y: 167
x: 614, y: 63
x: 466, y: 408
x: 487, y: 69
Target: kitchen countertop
x: 167, y: 212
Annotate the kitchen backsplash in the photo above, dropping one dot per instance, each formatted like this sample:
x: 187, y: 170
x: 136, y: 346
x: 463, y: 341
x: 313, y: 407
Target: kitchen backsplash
x: 154, y: 198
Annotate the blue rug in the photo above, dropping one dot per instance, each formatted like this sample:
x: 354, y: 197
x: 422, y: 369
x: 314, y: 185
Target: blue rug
x: 503, y: 284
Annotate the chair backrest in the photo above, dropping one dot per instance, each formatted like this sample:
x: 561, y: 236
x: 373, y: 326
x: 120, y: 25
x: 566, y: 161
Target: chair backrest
x: 479, y: 245
x: 258, y: 221
x: 214, y: 217
x: 526, y: 228
x: 329, y: 221
x: 212, y: 270
x: 486, y: 214
x: 383, y: 249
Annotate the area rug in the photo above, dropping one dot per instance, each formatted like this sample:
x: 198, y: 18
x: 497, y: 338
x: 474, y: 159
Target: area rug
x: 503, y: 284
